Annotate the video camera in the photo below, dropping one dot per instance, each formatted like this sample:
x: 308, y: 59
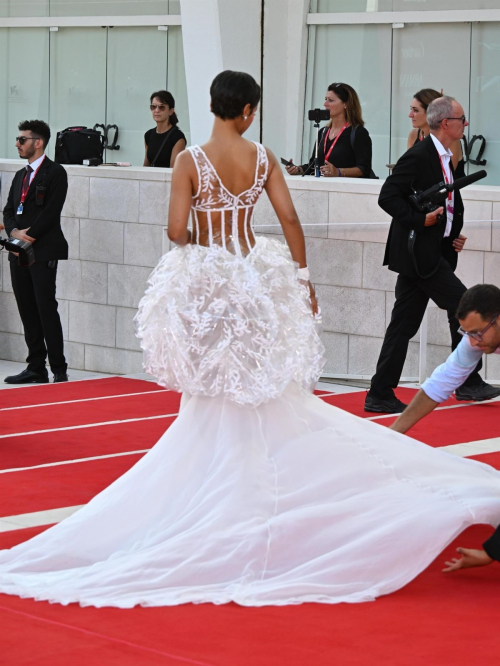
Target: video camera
x: 23, y: 248
x: 435, y: 196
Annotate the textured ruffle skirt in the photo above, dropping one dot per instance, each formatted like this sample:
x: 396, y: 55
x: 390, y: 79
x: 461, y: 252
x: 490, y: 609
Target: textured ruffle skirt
x: 285, y: 501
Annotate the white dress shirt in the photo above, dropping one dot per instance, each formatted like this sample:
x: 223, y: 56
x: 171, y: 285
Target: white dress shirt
x: 34, y: 165
x: 446, y: 155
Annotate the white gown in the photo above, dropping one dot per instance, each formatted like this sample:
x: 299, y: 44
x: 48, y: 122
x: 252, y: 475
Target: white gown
x: 259, y: 493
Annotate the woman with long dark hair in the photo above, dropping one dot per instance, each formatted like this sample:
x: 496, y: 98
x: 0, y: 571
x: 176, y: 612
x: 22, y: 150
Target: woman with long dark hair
x: 165, y: 141
x: 345, y: 147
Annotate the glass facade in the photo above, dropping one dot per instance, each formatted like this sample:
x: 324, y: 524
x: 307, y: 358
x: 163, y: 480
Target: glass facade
x: 14, y: 8
x: 388, y: 65
x: 341, y: 6
x: 88, y: 76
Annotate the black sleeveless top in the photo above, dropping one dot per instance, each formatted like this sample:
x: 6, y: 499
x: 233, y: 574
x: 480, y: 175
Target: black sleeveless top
x: 153, y: 141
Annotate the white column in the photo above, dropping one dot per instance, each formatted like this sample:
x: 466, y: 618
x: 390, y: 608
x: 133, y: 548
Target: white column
x: 217, y: 35
x: 285, y: 60
x: 203, y: 61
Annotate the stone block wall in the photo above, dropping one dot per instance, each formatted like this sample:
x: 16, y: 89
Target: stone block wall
x: 115, y: 222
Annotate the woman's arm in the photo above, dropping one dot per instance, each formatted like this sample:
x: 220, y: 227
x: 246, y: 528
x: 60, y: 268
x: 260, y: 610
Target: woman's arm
x: 412, y: 137
x: 456, y: 149
x: 146, y: 161
x: 279, y: 195
x: 183, y: 178
x: 178, y: 148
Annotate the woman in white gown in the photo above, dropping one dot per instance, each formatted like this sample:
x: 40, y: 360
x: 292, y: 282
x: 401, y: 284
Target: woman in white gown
x: 259, y: 493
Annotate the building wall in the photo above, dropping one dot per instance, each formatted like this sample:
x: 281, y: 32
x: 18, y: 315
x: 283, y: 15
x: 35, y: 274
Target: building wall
x: 115, y: 222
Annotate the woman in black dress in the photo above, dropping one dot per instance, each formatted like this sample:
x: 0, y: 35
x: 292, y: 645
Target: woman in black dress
x: 345, y: 147
x: 165, y: 141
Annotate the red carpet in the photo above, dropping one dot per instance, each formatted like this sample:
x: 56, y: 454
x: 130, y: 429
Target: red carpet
x: 437, y: 620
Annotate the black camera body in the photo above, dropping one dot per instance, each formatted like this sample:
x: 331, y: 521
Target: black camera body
x: 23, y: 248
x: 317, y: 115
x: 429, y: 200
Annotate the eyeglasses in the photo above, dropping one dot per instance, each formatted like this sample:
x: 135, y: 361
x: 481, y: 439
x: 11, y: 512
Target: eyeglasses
x: 462, y: 118
x: 160, y: 107
x: 479, y: 334
x: 22, y: 139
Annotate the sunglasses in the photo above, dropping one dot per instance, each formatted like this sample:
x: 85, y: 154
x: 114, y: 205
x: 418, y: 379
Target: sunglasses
x: 479, y: 334
x: 160, y: 107
x: 22, y: 139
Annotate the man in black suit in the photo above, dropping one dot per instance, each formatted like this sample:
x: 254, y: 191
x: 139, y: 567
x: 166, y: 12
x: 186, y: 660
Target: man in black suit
x: 33, y: 214
x: 425, y: 265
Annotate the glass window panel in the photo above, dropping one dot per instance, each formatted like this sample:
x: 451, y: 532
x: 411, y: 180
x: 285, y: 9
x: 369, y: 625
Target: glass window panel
x: 24, y: 8
x: 367, y: 70
x: 435, y: 5
x: 77, y: 78
x: 485, y: 96
x: 133, y: 75
x: 24, y: 82
x: 422, y: 54
x: 113, y: 7
x: 337, y: 6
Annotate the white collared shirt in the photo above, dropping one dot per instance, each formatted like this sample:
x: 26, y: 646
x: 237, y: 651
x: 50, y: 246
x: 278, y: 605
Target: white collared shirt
x: 446, y: 155
x: 34, y: 165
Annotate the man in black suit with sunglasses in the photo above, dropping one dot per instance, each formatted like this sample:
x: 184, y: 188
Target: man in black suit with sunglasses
x: 33, y: 214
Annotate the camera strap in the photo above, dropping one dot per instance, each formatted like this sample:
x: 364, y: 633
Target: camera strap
x: 167, y: 133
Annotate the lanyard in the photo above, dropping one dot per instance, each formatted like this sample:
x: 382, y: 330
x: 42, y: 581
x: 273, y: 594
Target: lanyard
x: 27, y: 177
x: 450, y: 194
x: 327, y: 155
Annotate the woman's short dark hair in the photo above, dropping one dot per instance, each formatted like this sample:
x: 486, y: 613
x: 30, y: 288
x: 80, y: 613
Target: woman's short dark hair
x: 483, y: 299
x: 168, y: 99
x: 426, y: 96
x: 37, y: 127
x: 231, y: 91
x: 349, y: 96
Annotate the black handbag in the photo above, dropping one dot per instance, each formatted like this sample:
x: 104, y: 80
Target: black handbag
x: 75, y: 144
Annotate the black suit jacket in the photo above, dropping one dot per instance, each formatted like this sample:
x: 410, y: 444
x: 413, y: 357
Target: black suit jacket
x: 44, y: 222
x: 492, y: 545
x: 418, y: 169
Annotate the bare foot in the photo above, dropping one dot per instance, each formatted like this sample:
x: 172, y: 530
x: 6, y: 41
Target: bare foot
x: 470, y: 558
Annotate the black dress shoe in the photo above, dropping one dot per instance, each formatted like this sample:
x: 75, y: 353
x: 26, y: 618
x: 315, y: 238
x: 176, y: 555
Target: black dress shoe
x: 477, y: 392
x: 391, y: 406
x: 60, y: 377
x: 27, y: 377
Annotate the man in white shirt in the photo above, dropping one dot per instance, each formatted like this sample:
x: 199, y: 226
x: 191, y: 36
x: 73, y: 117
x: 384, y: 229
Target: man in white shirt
x: 423, y: 249
x: 479, y: 317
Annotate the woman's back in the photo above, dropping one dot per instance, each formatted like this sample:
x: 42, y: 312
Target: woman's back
x: 229, y: 179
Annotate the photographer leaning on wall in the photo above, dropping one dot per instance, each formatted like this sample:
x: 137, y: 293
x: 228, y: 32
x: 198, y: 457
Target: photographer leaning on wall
x: 33, y: 214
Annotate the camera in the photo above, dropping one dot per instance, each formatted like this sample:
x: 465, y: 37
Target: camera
x: 23, y: 249
x: 317, y: 115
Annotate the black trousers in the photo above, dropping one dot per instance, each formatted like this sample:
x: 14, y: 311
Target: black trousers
x: 35, y: 292
x: 412, y: 296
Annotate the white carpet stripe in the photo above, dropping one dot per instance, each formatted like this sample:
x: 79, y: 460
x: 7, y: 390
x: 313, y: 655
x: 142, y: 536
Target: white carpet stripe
x: 36, y: 518
x: 88, y: 425
x: 72, y: 462
x: 71, y: 402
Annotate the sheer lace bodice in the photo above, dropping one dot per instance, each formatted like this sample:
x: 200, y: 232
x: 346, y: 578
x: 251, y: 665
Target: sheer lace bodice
x: 219, y: 216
